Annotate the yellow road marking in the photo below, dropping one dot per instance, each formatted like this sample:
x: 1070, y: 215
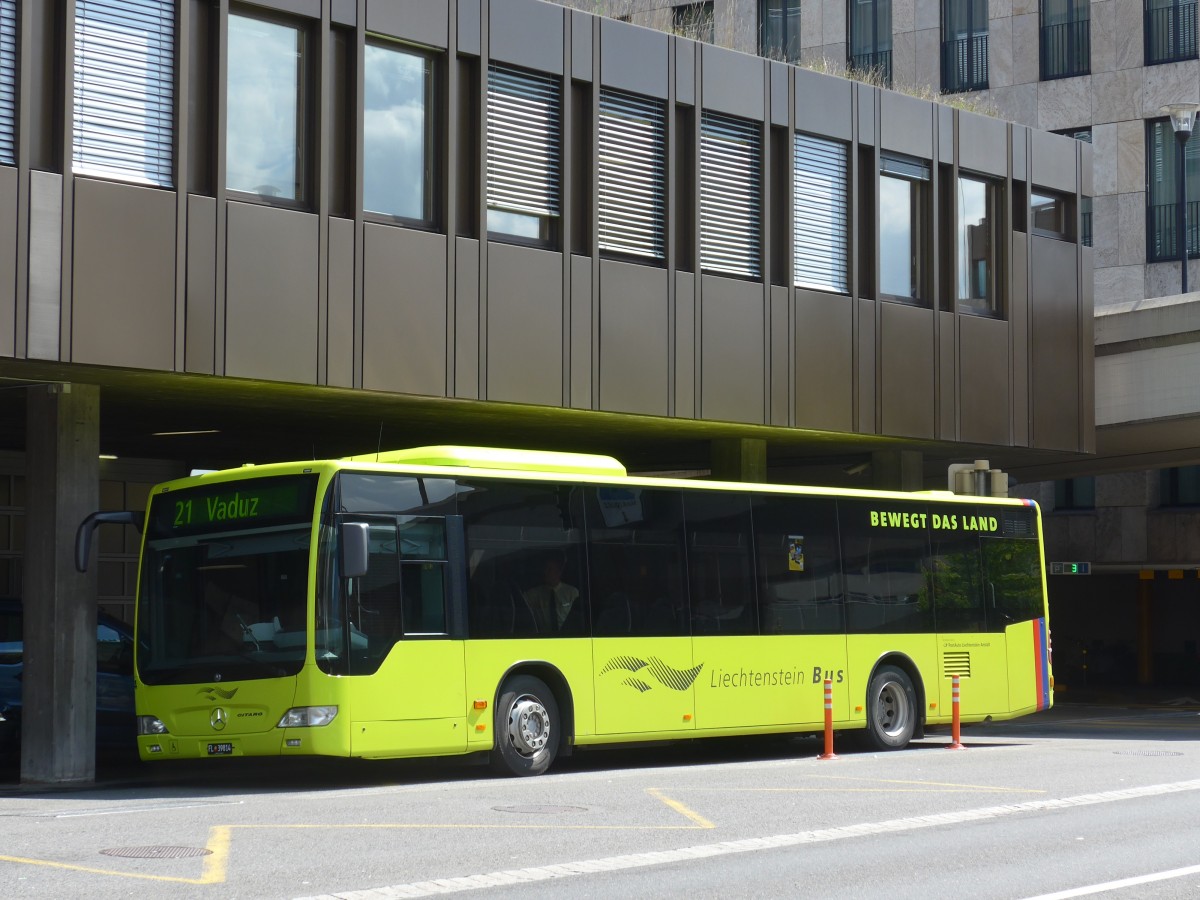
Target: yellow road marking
x: 680, y: 808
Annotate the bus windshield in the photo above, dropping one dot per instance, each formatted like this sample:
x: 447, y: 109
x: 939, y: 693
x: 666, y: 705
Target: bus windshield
x: 223, y: 592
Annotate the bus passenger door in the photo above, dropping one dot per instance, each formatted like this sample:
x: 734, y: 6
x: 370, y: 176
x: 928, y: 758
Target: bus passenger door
x: 1016, y: 606
x: 407, y: 628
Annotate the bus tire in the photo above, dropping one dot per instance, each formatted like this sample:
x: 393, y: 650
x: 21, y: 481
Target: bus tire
x: 527, y: 727
x: 891, y: 709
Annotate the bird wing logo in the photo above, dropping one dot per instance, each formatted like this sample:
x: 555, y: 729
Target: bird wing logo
x: 212, y: 693
x: 667, y: 676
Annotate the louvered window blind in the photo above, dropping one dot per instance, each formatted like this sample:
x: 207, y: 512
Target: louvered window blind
x: 730, y: 195
x: 523, y: 148
x: 632, y: 175
x: 8, y: 81
x: 819, y: 214
x: 124, y: 89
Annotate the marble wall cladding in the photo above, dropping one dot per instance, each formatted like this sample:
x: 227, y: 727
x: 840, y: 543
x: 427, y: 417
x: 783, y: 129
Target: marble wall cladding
x: 1103, y: 37
x: 1129, y: 50
x: 1119, y: 284
x: 1018, y: 103
x: 1168, y: 83
x: 904, y: 16
x: 1117, y: 96
x: 829, y: 58
x: 927, y: 67
x: 1000, y: 9
x: 1025, y: 49
x: 1105, y: 220
x: 811, y: 17
x: 1104, y: 159
x: 1000, y: 52
x: 904, y: 60
x: 1132, y: 229
x: 1163, y: 279
x: 928, y: 14
x: 1127, y: 489
x: 1173, y: 536
x: 1131, y: 156
x: 1120, y: 534
x: 1064, y: 103
x: 1081, y: 535
x: 833, y: 24
x: 1022, y: 7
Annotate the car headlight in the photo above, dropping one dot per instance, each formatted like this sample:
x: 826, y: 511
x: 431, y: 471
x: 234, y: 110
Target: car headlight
x: 151, y: 725
x: 307, y: 716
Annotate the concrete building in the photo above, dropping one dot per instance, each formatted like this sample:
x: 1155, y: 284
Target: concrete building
x: 258, y: 231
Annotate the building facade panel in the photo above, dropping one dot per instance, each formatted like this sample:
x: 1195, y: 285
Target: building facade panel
x: 124, y: 277
x: 824, y: 361
x: 985, y: 386
x: 423, y: 21
x: 733, y: 329
x: 1054, y: 344
x: 9, y: 196
x: 634, y: 59
x: 906, y: 370
x: 523, y: 327
x: 404, y: 311
x: 527, y: 33
x: 271, y: 310
x: 634, y: 321
x: 200, y: 286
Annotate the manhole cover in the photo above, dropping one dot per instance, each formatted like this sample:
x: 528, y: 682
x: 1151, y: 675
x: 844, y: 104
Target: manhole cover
x: 157, y: 852
x: 544, y: 810
x: 1147, y: 753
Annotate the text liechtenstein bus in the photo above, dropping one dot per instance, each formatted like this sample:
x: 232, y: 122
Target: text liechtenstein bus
x: 451, y: 600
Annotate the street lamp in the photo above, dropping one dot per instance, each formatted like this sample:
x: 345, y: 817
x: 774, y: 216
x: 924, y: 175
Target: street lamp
x: 1183, y: 119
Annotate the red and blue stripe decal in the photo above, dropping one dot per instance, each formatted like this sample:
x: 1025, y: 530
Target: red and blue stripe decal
x: 1041, y: 663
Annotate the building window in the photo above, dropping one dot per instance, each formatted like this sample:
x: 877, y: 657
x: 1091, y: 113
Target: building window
x: 964, y: 45
x: 124, y: 91
x: 820, y: 217
x: 1085, y: 203
x: 1169, y: 31
x: 1075, y: 493
x: 398, y: 152
x: 871, y: 39
x: 1049, y: 215
x: 903, y: 242
x: 730, y: 195
x: 1162, y: 192
x: 266, y: 139
x: 8, y: 82
x: 1065, y: 39
x: 631, y: 163
x: 779, y: 29
x: 978, y: 241
x: 524, y: 140
x: 694, y: 21
x: 1180, y: 486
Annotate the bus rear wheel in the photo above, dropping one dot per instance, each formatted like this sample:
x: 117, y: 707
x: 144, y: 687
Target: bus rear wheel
x: 526, y: 727
x: 891, y: 709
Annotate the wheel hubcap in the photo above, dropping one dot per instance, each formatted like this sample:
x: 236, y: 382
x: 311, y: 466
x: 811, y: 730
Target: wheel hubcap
x: 893, y: 709
x: 528, y: 725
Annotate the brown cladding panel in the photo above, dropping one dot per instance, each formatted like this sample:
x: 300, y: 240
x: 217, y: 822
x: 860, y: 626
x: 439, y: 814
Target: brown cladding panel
x: 1087, y: 366
x: 1054, y: 162
x: 123, y: 308
x: 780, y: 343
x: 466, y: 318
x: 906, y: 124
x: 341, y: 303
x: 824, y: 105
x: 947, y: 378
x: 1055, y: 345
x: 308, y: 8
x: 906, y: 381
x: 1018, y: 315
x: 866, y: 367
x: 271, y: 293
x: 733, y: 83
x: 469, y: 27
x: 8, y: 260
x: 524, y: 325
x: 422, y: 21
x: 45, y: 265
x: 983, y: 144
x: 685, y: 72
x: 824, y: 361
x: 200, y: 302
x: 527, y: 33
x: 581, y: 45
x: 634, y: 340
x: 868, y: 97
x: 581, y: 332
x: 685, y: 345
x: 633, y: 59
x: 984, y: 400
x: 404, y: 311
x: 732, y: 385
x: 945, y: 127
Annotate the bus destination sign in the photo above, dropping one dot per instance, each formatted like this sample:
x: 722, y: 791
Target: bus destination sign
x: 238, y: 504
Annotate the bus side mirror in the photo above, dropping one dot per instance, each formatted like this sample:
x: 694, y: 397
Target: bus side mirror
x: 356, y: 545
x: 83, y: 534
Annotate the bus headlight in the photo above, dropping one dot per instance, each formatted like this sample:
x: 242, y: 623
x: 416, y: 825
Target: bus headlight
x: 307, y: 716
x: 150, y: 725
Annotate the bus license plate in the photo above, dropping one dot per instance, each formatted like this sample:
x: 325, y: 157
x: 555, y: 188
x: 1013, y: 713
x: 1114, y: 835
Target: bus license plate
x: 220, y: 749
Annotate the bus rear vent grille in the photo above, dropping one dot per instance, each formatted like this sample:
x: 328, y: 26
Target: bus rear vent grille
x: 1017, y: 523
x: 957, y: 662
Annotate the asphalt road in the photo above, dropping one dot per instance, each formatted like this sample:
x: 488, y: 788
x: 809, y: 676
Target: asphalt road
x: 1079, y: 801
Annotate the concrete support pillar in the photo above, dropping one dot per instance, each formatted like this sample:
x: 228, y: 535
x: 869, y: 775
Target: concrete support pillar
x: 739, y: 459
x: 898, y: 470
x: 58, y: 728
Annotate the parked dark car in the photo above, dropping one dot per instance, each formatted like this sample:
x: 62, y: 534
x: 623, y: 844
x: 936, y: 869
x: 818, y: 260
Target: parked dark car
x: 115, y: 726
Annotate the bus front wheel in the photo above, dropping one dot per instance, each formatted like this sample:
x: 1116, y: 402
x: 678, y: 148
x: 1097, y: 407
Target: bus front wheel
x: 891, y: 709
x: 526, y: 728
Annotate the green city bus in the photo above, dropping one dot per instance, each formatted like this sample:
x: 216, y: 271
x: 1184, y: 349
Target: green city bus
x: 455, y: 600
